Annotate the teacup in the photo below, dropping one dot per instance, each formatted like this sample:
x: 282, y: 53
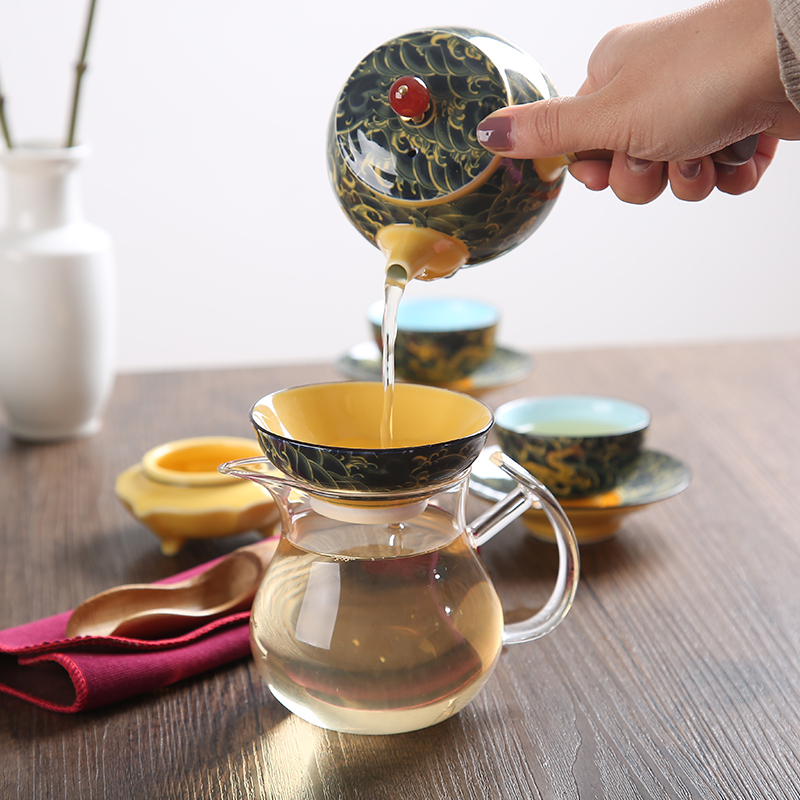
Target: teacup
x: 328, y: 435
x: 576, y: 445
x: 439, y: 340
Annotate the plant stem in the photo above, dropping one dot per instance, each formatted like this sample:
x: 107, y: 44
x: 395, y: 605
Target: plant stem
x: 80, y: 68
x: 3, y: 123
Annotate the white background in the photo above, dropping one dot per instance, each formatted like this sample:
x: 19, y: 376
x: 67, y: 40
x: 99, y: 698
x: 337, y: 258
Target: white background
x: 208, y: 123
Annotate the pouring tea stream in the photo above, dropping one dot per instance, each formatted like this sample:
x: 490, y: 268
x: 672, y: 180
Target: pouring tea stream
x: 408, y: 170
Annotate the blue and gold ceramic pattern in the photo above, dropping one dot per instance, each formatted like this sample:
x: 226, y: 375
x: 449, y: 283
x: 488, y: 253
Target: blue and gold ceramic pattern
x: 439, y: 340
x: 573, y: 466
x: 577, y: 445
x: 447, y: 358
x: 371, y: 471
x: 387, y: 169
x: 327, y: 436
x: 505, y: 367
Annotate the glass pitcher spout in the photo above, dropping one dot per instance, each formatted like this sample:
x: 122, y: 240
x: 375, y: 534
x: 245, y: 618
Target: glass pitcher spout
x: 262, y: 471
x: 259, y: 470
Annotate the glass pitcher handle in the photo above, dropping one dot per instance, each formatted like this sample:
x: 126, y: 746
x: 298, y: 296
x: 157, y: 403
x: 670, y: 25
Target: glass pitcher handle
x: 531, y: 491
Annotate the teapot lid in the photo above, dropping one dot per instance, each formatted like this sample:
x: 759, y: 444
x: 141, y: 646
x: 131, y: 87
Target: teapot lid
x: 405, y: 121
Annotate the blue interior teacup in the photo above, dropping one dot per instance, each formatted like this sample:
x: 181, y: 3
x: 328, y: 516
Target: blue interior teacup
x: 577, y: 445
x: 439, y: 340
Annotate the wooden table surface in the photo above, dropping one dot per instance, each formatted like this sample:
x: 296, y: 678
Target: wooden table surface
x: 675, y: 675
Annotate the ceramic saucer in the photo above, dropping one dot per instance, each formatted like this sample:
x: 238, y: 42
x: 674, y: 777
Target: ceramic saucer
x: 363, y: 362
x: 657, y: 477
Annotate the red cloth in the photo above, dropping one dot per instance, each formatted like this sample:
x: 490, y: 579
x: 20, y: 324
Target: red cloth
x: 39, y: 664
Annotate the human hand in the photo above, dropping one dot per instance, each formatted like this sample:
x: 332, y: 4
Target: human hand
x: 664, y: 95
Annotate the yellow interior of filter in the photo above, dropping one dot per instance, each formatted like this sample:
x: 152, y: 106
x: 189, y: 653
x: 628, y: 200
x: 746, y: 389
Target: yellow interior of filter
x: 350, y: 414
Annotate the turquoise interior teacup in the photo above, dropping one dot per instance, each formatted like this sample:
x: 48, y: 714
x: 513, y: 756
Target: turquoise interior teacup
x: 577, y: 445
x: 439, y: 340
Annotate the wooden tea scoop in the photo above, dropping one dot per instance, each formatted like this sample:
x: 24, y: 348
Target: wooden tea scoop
x: 158, y: 611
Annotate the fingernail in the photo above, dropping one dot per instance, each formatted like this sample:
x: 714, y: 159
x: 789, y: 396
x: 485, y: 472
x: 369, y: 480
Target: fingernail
x: 638, y: 165
x: 494, y: 133
x: 689, y: 170
x: 737, y: 153
x: 726, y: 169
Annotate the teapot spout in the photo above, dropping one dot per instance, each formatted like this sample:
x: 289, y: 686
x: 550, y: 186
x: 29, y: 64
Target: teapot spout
x: 421, y: 253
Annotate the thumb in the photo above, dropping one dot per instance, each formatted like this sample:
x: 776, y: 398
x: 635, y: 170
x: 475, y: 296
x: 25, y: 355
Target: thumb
x: 545, y: 128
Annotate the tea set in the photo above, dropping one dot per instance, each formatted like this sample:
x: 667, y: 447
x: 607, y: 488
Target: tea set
x: 375, y: 614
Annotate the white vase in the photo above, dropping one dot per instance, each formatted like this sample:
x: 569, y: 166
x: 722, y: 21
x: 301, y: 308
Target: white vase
x: 57, y: 299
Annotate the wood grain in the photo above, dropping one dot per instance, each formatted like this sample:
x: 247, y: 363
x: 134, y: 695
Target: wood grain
x: 675, y: 675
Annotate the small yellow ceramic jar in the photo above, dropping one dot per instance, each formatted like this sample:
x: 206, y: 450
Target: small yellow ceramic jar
x: 176, y: 491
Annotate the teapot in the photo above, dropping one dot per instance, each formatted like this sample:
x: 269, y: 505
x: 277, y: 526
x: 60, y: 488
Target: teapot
x: 405, y: 162
x: 376, y: 614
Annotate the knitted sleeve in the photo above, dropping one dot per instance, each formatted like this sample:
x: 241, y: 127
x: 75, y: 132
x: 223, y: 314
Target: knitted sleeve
x: 786, y: 14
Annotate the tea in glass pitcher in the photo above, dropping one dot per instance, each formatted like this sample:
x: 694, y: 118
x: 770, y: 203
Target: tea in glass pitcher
x: 378, y: 626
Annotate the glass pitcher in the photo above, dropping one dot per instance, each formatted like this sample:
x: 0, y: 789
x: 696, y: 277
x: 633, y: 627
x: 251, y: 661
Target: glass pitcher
x: 376, y: 614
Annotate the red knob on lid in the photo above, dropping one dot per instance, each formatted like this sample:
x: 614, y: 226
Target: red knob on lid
x: 409, y: 97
